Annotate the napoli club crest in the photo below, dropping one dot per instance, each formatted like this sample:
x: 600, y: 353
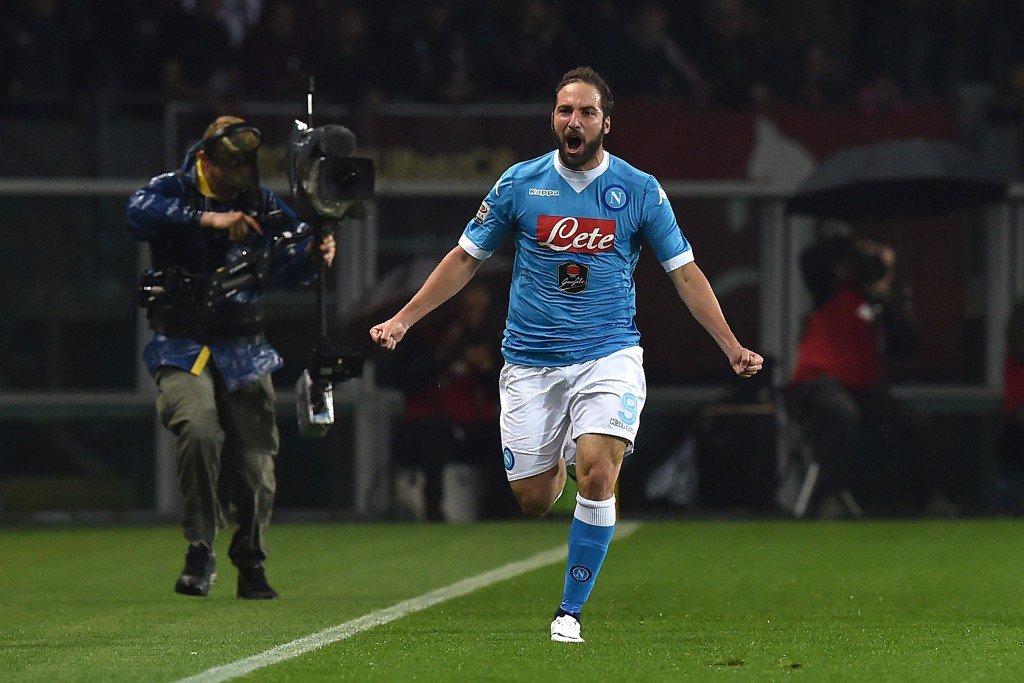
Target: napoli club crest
x: 572, y: 277
x: 615, y: 197
x: 580, y: 573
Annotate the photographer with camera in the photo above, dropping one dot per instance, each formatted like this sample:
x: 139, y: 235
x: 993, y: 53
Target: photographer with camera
x: 217, y: 241
x: 837, y: 391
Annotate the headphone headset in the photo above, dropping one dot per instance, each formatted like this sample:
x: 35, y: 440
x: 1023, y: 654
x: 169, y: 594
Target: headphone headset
x: 211, y: 142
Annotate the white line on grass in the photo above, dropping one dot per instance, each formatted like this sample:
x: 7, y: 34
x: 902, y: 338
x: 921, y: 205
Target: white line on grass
x: 317, y: 640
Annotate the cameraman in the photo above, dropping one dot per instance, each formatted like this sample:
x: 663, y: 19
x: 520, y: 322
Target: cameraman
x: 210, y: 358
x: 837, y: 387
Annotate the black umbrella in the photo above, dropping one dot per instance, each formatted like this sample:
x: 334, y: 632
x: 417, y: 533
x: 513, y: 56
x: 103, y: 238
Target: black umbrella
x: 896, y: 178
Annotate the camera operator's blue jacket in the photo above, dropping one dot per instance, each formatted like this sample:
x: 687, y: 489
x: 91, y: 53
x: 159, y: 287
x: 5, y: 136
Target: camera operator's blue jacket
x: 165, y: 214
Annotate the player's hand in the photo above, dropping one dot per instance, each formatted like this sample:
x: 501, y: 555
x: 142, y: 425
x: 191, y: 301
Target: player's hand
x: 236, y: 223
x: 745, y: 362
x: 388, y: 334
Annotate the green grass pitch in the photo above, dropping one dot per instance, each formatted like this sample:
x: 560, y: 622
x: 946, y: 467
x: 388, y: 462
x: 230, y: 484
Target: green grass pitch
x: 702, y: 600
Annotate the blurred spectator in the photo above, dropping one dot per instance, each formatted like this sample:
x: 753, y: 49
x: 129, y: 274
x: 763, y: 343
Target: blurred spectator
x: 923, y: 55
x: 131, y: 42
x: 823, y: 81
x: 239, y: 16
x: 980, y: 40
x: 736, y: 53
x: 870, y: 57
x: 603, y: 24
x: 882, y: 94
x: 803, y: 22
x: 346, y: 61
x: 197, y: 55
x: 1010, y: 441
x: 659, y: 66
x: 837, y: 391
x: 737, y: 61
x: 275, y: 58
x: 537, y: 48
x: 902, y: 41
x: 448, y: 373
x: 430, y: 59
x: 812, y: 50
x: 1007, y: 107
x: 36, y: 50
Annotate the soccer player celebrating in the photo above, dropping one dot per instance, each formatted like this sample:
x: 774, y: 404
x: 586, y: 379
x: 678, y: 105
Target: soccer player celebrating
x: 573, y: 384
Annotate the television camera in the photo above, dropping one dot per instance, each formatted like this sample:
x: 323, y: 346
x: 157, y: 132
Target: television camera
x: 196, y: 298
x: 328, y: 185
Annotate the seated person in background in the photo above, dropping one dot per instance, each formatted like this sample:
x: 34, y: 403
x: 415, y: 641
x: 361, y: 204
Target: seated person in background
x: 837, y: 385
x: 1010, y: 441
x: 448, y: 371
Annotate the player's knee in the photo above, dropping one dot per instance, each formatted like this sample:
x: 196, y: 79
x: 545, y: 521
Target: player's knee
x: 534, y: 506
x: 535, y: 502
x: 537, y: 494
x: 598, y: 484
x: 533, y: 510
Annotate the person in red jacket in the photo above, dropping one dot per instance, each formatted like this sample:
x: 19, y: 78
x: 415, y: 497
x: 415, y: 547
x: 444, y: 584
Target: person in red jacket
x: 837, y: 388
x: 448, y: 373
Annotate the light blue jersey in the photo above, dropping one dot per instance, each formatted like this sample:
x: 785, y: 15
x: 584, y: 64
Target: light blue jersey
x: 578, y: 236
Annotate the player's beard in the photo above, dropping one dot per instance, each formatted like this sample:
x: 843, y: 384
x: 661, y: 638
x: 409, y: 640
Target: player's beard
x: 577, y: 160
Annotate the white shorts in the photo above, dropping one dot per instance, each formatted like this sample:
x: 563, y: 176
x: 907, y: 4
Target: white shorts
x: 545, y: 409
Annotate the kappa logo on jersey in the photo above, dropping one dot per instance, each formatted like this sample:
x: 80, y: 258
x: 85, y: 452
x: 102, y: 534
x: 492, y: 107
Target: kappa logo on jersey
x: 540, y: 192
x: 572, y: 277
x: 662, y: 197
x: 577, y: 235
x: 481, y: 213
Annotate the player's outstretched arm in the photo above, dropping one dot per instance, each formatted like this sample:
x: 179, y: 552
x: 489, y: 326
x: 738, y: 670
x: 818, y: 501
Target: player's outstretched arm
x: 695, y: 291
x: 450, y: 275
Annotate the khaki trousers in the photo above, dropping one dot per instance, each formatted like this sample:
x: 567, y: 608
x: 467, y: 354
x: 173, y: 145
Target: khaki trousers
x: 226, y: 445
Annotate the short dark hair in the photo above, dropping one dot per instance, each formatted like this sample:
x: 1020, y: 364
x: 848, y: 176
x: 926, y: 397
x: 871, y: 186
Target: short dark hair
x: 584, y: 74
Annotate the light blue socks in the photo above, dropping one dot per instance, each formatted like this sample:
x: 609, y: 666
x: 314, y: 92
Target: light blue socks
x: 589, y: 535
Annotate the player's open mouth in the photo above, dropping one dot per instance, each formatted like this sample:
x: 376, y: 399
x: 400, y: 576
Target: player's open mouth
x: 573, y: 143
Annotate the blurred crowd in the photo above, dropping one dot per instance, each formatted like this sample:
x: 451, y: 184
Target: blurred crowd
x: 870, y: 55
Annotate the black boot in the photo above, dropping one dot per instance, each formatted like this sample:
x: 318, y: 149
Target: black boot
x: 252, y: 584
x: 200, y: 571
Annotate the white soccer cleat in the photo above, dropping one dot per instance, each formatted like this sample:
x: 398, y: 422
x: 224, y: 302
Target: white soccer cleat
x: 565, y: 629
